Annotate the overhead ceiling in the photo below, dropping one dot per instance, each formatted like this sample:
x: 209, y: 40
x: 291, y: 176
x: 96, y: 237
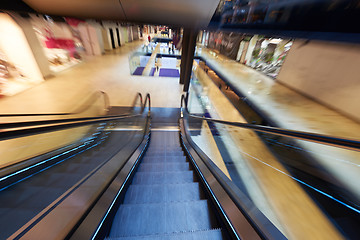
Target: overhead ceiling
x: 187, y: 13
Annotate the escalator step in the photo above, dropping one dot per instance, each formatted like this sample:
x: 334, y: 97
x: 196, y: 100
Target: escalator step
x: 162, y: 193
x: 160, y: 218
x: 162, y: 177
x: 162, y: 148
x: 162, y: 167
x: 164, y: 153
x: 212, y: 234
x: 156, y: 159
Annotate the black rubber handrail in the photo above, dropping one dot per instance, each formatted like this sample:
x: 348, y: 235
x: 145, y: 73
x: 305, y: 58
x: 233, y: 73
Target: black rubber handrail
x: 147, y: 101
x: 81, y: 109
x: 350, y: 144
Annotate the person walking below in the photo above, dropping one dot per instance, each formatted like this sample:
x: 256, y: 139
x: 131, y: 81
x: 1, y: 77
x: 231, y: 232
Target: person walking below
x: 149, y: 38
x: 170, y: 47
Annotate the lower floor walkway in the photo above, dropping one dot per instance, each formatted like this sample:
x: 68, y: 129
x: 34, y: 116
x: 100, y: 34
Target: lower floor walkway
x: 109, y: 73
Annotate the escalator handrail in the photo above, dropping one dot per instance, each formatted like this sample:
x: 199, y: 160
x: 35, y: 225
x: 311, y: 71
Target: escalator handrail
x: 350, y: 144
x: 21, y: 129
x: 36, y: 228
x: 81, y: 109
x: 147, y: 101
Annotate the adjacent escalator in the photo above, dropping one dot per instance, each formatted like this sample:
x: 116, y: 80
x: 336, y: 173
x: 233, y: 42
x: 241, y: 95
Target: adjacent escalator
x: 22, y: 201
x: 33, y: 187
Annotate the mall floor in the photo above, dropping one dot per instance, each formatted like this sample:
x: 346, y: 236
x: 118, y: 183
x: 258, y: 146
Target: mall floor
x: 109, y: 73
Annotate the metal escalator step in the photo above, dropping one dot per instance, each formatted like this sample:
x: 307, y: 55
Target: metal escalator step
x: 162, y: 193
x: 211, y: 234
x: 161, y: 218
x: 161, y: 167
x: 164, y: 153
x: 163, y: 177
x: 173, y: 148
x: 165, y: 143
x: 158, y: 159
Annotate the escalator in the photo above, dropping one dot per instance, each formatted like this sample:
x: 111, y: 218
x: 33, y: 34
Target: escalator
x: 21, y: 202
x: 30, y: 188
x: 142, y: 175
x: 165, y: 199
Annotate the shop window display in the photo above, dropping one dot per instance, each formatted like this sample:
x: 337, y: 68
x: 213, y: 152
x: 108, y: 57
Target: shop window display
x: 263, y: 54
x: 269, y: 55
x: 62, y: 43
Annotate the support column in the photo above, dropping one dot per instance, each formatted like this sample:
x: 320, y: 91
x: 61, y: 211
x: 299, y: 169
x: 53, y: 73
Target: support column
x: 184, y: 50
x: 187, y: 57
x: 190, y: 59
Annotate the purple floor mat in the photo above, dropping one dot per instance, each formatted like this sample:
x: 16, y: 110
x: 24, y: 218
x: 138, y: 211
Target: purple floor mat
x: 168, y: 72
x: 138, y: 71
x: 152, y: 72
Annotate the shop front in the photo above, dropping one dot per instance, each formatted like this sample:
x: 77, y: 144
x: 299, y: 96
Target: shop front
x: 269, y: 55
x: 62, y: 43
x: 264, y: 54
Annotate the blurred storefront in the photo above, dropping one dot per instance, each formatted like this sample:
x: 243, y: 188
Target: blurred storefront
x: 269, y: 55
x: 62, y: 44
x: 264, y: 54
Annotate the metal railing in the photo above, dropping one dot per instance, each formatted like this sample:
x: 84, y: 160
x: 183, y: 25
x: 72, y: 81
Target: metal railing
x: 350, y: 144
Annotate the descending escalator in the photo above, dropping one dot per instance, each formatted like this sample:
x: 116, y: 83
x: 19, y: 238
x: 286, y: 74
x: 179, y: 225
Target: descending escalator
x: 21, y: 202
x: 31, y: 188
x: 166, y: 191
x: 165, y: 200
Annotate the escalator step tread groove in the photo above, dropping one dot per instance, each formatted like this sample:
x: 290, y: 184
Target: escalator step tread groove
x: 161, y: 177
x: 159, y: 218
x: 167, y: 166
x: 211, y: 234
x: 163, y: 159
x: 164, y: 199
x: 162, y: 193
